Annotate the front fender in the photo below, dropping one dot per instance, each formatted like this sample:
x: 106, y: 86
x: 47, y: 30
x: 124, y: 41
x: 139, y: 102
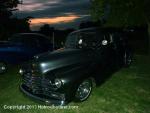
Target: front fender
x: 71, y: 77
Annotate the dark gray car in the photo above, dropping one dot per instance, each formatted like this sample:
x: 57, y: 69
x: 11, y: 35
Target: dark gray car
x: 88, y: 58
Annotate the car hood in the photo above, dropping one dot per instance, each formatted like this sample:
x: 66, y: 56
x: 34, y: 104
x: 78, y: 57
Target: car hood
x: 5, y: 43
x: 8, y: 44
x: 62, y: 58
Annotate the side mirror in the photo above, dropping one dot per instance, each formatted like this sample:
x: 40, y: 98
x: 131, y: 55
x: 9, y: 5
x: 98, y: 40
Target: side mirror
x: 104, y: 42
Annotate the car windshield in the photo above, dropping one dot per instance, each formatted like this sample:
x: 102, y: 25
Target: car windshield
x: 72, y: 41
x: 83, y: 40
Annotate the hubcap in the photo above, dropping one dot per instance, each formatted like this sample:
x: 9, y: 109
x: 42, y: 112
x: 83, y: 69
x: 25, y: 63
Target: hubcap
x: 84, y: 90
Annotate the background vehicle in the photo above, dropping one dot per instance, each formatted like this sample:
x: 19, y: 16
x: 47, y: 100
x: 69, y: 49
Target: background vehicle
x: 89, y: 56
x: 22, y: 47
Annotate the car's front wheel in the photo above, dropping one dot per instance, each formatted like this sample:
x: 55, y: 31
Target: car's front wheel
x: 84, y: 90
x: 3, y: 67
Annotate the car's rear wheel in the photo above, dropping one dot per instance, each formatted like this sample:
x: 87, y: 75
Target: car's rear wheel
x: 3, y: 67
x: 84, y: 90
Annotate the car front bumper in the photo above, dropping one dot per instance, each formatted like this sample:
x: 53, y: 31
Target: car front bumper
x: 42, y: 98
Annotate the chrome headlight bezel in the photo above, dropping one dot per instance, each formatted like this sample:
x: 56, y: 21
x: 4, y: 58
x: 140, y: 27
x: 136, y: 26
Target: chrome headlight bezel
x: 56, y: 83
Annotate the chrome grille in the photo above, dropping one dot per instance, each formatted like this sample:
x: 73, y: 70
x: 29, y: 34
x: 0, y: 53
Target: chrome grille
x: 38, y: 84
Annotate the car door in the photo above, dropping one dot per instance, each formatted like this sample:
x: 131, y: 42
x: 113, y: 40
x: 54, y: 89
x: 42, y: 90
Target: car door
x: 104, y: 55
x: 108, y: 50
x: 101, y: 52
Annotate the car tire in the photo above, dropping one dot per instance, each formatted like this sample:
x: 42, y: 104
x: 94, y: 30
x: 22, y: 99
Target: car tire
x: 83, y: 90
x: 127, y: 59
x: 3, y: 67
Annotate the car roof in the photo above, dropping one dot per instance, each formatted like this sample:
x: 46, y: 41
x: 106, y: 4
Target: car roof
x: 30, y: 34
x: 35, y: 34
x: 98, y: 29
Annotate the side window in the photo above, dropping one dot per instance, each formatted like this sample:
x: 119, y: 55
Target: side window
x: 30, y: 42
x: 88, y: 39
x: 109, y: 37
x: 118, y: 39
x: 43, y: 42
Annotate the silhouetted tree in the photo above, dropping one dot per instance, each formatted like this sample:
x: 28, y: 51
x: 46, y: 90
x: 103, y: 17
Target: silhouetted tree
x: 6, y: 8
x: 89, y: 24
x: 47, y: 30
x: 9, y: 25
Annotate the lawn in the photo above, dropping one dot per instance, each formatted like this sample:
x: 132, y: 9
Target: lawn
x: 127, y: 91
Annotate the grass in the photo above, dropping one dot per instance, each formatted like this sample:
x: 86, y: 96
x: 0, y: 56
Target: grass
x: 127, y: 91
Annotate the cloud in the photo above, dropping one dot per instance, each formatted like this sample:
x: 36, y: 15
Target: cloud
x: 58, y: 22
x: 46, y: 11
x: 31, y: 7
x: 35, y: 5
x: 54, y: 20
x: 39, y: 8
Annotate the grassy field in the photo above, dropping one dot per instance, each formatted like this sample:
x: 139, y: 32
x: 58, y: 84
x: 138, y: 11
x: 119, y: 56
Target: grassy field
x: 127, y: 91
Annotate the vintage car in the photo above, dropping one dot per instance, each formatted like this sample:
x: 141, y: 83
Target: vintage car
x: 22, y: 47
x: 90, y: 55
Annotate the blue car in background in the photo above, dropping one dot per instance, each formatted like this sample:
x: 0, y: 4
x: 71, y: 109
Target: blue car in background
x: 22, y: 47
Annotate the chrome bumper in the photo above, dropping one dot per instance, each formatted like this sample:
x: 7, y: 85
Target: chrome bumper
x: 50, y: 101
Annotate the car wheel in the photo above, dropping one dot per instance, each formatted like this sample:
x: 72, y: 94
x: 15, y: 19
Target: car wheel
x: 84, y: 90
x: 127, y: 59
x: 3, y: 67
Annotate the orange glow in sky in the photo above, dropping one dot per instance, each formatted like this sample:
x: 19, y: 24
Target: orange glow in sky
x: 54, y: 20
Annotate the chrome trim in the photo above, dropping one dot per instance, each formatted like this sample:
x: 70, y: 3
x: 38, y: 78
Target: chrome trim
x: 47, y: 101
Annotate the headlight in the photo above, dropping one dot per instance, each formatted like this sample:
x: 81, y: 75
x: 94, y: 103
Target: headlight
x: 21, y: 71
x: 58, y: 83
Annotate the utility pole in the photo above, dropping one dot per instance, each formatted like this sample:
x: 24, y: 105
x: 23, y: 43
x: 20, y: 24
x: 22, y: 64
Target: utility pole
x: 53, y: 40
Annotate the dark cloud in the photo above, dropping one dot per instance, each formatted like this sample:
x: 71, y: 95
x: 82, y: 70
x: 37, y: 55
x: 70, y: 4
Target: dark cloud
x: 58, y: 8
x: 54, y: 8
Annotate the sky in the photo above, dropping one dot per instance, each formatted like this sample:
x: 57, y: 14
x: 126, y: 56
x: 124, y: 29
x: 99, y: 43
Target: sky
x: 60, y: 14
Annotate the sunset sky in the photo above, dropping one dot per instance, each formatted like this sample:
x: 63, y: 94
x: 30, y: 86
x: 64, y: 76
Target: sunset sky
x: 58, y: 13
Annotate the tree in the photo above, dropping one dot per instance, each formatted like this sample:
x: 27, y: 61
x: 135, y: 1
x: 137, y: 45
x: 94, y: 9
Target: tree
x: 122, y: 13
x: 6, y: 8
x: 47, y: 30
x: 9, y: 25
x: 89, y: 24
